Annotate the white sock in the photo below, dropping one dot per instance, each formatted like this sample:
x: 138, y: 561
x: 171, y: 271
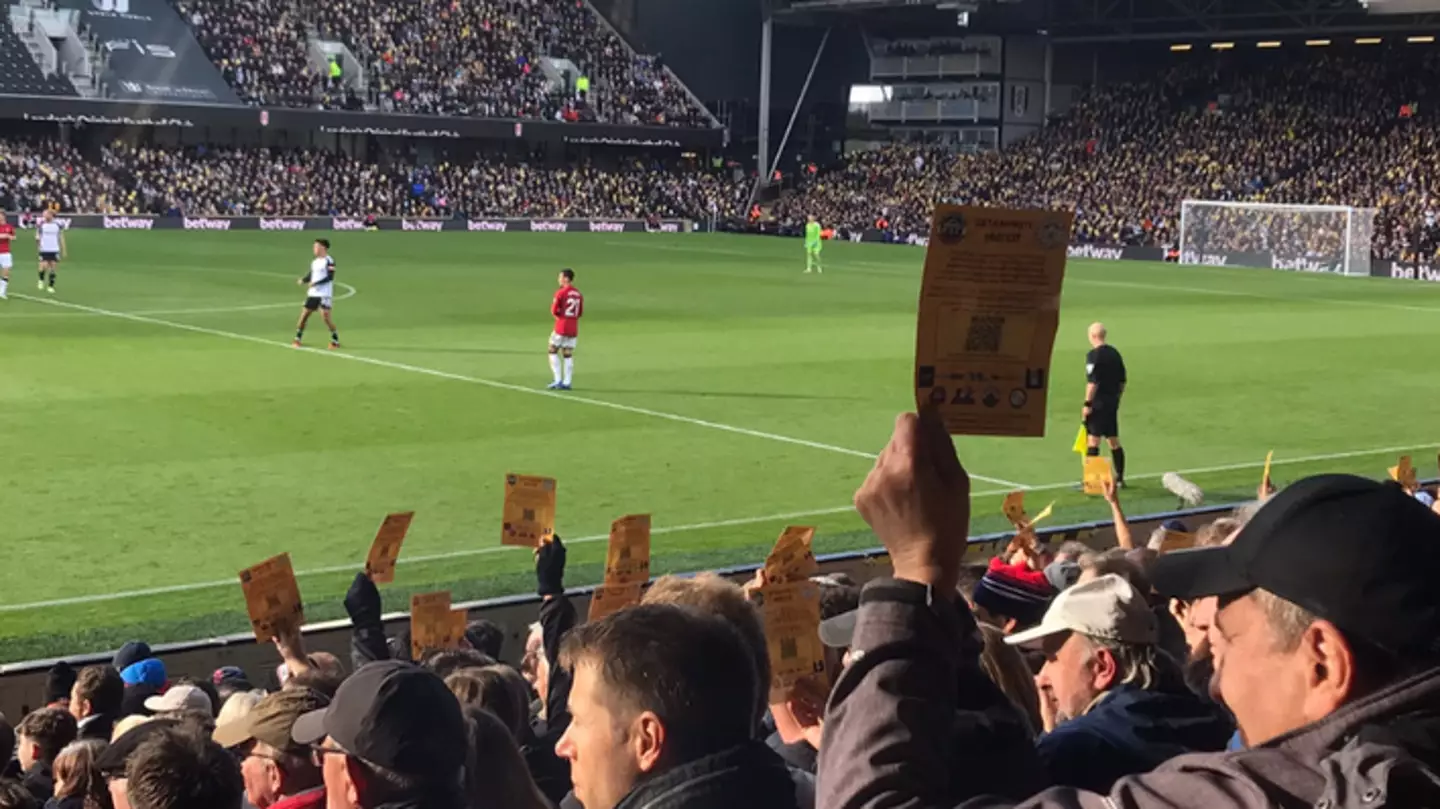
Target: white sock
x: 569, y: 369
x: 555, y: 366
x: 4, y: 282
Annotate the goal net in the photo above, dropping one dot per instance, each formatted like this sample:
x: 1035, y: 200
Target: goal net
x: 1311, y: 238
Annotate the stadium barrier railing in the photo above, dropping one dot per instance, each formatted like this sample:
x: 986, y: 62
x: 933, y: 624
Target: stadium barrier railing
x: 356, y: 223
x: 22, y: 684
x: 182, y: 116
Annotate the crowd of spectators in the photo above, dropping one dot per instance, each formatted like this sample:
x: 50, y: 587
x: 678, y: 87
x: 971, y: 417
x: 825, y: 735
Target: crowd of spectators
x: 239, y: 181
x: 1341, y: 129
x: 443, y: 57
x: 1285, y: 657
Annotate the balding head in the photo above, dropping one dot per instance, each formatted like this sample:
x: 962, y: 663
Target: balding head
x: 1097, y: 334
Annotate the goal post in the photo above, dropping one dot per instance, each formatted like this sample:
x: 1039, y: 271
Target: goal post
x: 1312, y: 238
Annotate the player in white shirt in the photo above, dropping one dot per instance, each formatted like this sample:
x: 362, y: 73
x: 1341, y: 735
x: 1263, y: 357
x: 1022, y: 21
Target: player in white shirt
x: 52, y: 248
x: 321, y: 280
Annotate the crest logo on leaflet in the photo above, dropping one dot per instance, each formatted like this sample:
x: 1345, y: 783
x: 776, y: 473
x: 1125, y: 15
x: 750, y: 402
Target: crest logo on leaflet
x: 952, y: 228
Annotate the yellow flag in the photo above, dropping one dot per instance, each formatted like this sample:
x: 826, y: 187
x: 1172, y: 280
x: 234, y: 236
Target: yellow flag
x: 1080, y: 443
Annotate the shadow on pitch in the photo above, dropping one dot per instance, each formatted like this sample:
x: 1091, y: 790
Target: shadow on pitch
x: 726, y: 394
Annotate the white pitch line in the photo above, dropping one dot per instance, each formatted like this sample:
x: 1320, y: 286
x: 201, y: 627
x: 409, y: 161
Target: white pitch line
x: 490, y: 383
x: 435, y: 557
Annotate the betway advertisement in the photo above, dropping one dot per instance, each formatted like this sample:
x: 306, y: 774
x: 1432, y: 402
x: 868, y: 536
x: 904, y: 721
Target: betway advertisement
x: 356, y: 223
x: 151, y: 53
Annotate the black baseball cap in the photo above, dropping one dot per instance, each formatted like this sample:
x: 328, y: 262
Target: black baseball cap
x: 1355, y: 552
x: 396, y: 715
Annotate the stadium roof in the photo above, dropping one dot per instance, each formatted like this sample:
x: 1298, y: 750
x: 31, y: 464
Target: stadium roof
x: 1121, y: 20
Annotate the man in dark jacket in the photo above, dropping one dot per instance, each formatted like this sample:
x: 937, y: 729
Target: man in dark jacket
x: 40, y: 737
x: 393, y: 738
x: 95, y: 701
x: 662, y: 715
x: 1112, y: 702
x: 1324, y: 642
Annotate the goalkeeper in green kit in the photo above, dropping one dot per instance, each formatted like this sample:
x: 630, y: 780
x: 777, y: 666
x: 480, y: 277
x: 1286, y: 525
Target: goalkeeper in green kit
x: 812, y: 245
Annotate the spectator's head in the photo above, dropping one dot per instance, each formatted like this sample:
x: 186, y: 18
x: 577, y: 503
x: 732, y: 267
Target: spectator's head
x: 485, y: 637
x: 448, y: 661
x: 491, y: 689
x: 1097, y: 636
x: 98, y: 691
x: 495, y: 772
x: 228, y: 681
x: 181, y: 699
x: 1009, y: 602
x: 1006, y: 667
x: 14, y: 795
x: 655, y: 686
x: 128, y: 737
x: 178, y: 767
x: 148, y: 672
x: 237, y: 706
x: 59, y: 683
x: 1116, y: 562
x: 131, y: 653
x: 77, y: 776
x: 393, y: 734
x: 272, y: 764
x: 1322, y: 599
x: 41, y: 735
x: 725, y: 600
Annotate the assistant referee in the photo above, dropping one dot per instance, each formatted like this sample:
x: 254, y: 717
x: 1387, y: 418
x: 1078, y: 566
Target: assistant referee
x: 1105, y: 384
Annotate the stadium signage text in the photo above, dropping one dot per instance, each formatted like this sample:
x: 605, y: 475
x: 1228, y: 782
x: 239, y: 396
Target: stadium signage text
x: 351, y: 223
x: 1099, y: 251
x: 205, y: 223
x: 1405, y: 272
x: 125, y: 223
x: 282, y: 224
x: 1303, y: 264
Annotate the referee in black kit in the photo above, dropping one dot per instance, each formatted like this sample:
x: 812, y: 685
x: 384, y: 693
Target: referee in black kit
x: 1105, y: 383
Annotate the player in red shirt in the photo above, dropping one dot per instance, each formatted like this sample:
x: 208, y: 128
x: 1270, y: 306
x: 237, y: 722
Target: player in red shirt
x: 567, y: 308
x: 7, y: 235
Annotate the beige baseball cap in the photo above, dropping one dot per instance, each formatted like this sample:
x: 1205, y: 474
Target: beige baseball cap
x: 1105, y: 608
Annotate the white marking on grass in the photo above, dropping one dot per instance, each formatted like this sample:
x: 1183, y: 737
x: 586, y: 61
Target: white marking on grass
x: 489, y: 383
x: 482, y: 551
x: 216, y: 310
x: 353, y: 567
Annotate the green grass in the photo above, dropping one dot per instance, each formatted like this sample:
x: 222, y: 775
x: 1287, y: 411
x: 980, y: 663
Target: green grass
x: 138, y: 455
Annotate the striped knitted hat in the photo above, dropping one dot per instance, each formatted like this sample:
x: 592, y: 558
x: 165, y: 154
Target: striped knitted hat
x: 1006, y: 596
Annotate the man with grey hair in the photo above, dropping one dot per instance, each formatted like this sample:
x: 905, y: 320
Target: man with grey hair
x: 1113, y: 703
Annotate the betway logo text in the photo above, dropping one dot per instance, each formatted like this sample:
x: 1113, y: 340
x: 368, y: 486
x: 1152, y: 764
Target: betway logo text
x: 1419, y: 272
x: 487, y: 226
x: 126, y: 223
x: 341, y: 223
x: 1208, y: 259
x: 1095, y: 251
x: 549, y: 227
x: 205, y: 223
x: 1303, y: 264
x: 422, y: 224
x: 606, y: 227
x: 282, y: 224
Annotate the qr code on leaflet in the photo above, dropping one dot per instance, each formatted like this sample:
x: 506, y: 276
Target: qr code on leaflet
x: 985, y: 333
x: 789, y: 649
x: 529, y: 515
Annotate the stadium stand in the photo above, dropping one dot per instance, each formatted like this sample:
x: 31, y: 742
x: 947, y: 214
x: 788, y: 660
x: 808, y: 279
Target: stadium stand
x: 209, y: 181
x: 440, y: 57
x: 1342, y: 129
x: 19, y: 75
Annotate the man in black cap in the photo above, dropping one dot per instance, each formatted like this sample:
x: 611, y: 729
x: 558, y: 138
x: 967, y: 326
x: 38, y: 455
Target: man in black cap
x: 1326, y: 636
x: 393, y: 737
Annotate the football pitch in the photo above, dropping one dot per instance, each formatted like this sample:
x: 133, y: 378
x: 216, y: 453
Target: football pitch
x: 160, y: 433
